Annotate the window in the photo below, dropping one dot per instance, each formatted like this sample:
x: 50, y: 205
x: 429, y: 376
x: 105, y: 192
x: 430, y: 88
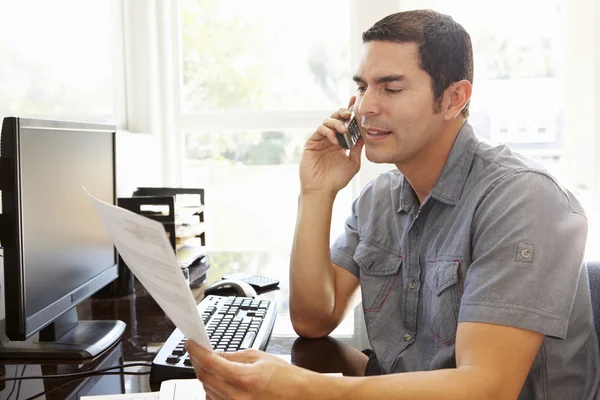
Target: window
x: 520, y: 92
x: 56, y: 59
x: 264, y: 55
x: 256, y: 79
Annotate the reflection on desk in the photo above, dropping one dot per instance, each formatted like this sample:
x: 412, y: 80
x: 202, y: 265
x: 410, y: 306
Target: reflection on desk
x: 328, y: 355
x: 148, y: 328
x: 65, y: 388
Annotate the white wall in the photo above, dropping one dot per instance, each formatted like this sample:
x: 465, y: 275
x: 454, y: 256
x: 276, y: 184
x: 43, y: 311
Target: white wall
x: 138, y: 162
x: 583, y: 95
x: 582, y: 110
x: 151, y: 62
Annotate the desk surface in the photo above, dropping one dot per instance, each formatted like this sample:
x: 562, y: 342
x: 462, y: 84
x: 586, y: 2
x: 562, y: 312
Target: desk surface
x: 148, y: 328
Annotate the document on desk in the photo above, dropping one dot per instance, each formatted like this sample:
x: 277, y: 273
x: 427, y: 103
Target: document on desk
x: 145, y: 248
x: 188, y: 389
x: 182, y: 389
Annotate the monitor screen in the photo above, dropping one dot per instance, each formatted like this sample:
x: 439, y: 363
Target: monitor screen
x: 64, y: 242
x: 57, y: 252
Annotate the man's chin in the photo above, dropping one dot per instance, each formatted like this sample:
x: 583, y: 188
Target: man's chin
x: 378, y: 157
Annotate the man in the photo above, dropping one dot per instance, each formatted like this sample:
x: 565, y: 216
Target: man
x: 468, y: 257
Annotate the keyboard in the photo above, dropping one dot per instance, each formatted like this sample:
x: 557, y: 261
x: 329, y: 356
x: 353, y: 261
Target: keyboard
x: 232, y: 324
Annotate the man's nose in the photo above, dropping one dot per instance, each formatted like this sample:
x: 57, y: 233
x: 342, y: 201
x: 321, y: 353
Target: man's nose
x: 368, y: 103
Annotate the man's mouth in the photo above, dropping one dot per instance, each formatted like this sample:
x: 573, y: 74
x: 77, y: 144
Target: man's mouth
x: 377, y: 132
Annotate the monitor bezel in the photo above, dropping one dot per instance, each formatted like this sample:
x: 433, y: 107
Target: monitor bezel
x: 20, y: 324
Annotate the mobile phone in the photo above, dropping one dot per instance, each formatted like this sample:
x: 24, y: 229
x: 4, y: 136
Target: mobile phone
x: 348, y: 140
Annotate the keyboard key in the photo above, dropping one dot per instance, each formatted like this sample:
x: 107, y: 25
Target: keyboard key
x: 172, y: 359
x: 248, y: 340
x: 178, y: 351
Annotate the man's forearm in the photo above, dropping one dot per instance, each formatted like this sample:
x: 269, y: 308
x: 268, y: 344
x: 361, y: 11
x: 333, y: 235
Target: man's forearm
x: 312, y: 286
x: 448, y: 384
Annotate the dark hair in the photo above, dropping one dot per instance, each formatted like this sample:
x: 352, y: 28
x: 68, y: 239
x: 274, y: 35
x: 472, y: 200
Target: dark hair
x: 444, y: 45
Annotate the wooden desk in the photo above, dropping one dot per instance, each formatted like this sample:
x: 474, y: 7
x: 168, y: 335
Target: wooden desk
x: 148, y: 328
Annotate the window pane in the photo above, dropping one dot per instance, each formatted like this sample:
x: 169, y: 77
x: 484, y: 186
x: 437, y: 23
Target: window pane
x: 56, y: 59
x: 249, y: 148
x: 519, y: 92
x: 252, y: 186
x: 264, y: 55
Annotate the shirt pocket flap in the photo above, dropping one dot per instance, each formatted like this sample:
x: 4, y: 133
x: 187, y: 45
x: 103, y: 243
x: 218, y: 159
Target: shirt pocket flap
x: 447, y: 275
x: 373, y: 260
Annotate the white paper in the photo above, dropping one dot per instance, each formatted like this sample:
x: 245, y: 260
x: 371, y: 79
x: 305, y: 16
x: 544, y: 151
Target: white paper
x: 145, y: 248
x: 189, y: 389
x: 129, y: 396
x: 182, y: 389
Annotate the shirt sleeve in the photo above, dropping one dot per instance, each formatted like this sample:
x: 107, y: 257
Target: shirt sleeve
x: 527, y: 253
x: 343, y: 249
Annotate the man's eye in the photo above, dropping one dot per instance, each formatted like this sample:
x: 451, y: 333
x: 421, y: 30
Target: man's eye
x: 393, y: 91
x: 361, y: 89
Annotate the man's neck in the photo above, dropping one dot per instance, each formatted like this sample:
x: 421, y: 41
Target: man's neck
x: 424, y: 169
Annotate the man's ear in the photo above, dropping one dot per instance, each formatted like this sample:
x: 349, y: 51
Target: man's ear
x: 457, y: 96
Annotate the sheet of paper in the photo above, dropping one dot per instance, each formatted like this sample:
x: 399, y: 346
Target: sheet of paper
x: 182, y: 389
x: 188, y: 389
x: 132, y: 396
x: 145, y: 248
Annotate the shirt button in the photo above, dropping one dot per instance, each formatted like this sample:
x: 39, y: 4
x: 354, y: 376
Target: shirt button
x: 407, y: 337
x: 525, y: 253
x: 412, y: 284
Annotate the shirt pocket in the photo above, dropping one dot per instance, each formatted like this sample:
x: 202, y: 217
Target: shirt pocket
x: 379, y: 272
x: 443, y: 286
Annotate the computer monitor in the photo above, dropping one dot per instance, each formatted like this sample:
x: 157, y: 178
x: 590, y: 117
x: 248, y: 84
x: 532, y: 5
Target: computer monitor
x: 57, y: 252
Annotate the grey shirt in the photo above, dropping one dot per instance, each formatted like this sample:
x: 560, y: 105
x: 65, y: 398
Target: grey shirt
x: 497, y: 241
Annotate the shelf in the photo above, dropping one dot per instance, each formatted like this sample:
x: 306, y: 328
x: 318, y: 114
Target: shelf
x: 187, y: 255
x: 188, y: 231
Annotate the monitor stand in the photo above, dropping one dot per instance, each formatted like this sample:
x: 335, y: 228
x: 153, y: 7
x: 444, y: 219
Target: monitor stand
x: 67, y: 338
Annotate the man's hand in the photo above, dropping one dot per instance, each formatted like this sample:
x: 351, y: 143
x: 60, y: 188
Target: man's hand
x: 247, y: 374
x: 325, y: 166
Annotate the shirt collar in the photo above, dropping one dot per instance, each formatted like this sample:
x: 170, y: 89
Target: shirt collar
x: 451, y: 181
x: 408, y: 197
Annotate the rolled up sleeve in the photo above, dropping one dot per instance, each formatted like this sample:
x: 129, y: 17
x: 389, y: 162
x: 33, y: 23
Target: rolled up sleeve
x: 528, y: 243
x: 343, y: 249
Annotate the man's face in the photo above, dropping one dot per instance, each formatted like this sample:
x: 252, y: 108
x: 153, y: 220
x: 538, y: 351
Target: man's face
x: 394, y: 103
